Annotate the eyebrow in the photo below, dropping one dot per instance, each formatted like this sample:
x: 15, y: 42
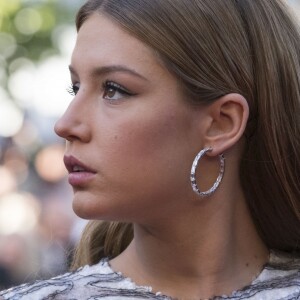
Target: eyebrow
x: 100, y: 71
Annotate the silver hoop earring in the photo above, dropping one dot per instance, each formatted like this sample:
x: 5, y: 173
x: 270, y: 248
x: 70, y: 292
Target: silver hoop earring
x: 193, y: 173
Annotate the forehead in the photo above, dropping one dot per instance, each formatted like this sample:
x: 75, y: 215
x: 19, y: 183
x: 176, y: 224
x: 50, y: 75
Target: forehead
x: 102, y: 41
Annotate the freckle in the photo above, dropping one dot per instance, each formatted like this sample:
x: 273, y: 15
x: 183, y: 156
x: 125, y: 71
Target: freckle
x: 116, y: 137
x: 247, y: 264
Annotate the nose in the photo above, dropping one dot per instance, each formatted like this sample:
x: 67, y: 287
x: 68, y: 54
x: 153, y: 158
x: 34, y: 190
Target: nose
x: 73, y: 125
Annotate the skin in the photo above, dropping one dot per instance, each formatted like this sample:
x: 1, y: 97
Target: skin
x: 141, y: 147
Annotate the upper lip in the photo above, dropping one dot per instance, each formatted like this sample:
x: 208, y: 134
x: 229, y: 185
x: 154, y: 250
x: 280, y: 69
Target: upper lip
x: 73, y: 164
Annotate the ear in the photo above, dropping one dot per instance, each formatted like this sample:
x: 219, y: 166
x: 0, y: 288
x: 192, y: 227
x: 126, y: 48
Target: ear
x: 228, y: 119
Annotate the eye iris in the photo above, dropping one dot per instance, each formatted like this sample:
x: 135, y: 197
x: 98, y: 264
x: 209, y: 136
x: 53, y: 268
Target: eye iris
x: 110, y: 92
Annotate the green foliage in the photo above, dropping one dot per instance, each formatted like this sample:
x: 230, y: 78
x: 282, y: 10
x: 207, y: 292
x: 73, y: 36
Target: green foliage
x: 27, y: 30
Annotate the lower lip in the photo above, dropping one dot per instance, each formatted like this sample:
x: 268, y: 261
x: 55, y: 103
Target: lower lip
x: 80, y: 178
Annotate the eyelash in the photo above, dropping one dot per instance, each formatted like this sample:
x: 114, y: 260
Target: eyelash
x: 110, y: 85
x: 74, y: 89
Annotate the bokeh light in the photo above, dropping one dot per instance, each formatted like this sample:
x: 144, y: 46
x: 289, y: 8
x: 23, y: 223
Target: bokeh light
x: 28, y: 21
x: 8, y: 45
x: 15, y: 160
x: 8, y: 181
x: 27, y: 138
x: 42, y: 87
x: 49, y: 163
x: 19, y: 213
x: 11, y: 117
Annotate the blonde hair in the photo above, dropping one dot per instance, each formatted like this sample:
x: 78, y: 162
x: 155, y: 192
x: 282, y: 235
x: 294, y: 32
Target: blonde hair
x: 250, y: 47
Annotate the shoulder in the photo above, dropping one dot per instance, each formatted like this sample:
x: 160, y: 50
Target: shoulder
x: 89, y: 282
x: 279, y: 280
x: 61, y: 285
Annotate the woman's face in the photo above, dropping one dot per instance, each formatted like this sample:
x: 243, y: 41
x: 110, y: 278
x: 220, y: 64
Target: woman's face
x: 129, y: 128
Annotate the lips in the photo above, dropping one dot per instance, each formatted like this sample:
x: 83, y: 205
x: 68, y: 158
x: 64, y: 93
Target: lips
x: 79, y: 174
x: 74, y: 165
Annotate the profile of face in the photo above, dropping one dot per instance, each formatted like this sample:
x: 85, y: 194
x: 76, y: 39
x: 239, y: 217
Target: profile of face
x: 129, y: 128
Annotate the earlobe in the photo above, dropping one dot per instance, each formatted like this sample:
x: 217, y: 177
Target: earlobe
x: 229, y: 116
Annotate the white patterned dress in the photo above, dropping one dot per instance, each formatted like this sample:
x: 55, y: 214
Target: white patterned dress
x: 279, y: 280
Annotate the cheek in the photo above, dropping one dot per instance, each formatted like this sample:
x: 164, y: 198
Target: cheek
x: 144, y: 139
x: 147, y: 152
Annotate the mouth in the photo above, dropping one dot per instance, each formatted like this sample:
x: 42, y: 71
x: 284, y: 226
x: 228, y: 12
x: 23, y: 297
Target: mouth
x: 73, y: 165
x: 80, y: 175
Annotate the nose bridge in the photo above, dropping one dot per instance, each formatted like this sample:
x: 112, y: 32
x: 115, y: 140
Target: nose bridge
x: 73, y: 123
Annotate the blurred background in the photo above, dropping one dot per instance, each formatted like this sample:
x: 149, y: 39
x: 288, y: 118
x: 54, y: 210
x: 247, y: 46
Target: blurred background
x: 38, y: 229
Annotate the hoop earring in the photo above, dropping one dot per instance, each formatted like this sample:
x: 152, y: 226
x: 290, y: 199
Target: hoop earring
x: 193, y: 173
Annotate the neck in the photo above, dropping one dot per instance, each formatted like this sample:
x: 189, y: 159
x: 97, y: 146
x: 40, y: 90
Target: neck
x: 212, y: 250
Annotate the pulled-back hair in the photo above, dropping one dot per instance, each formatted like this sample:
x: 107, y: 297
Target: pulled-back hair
x: 216, y: 47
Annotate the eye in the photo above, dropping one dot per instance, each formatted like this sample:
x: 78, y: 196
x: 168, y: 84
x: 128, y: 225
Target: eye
x: 73, y: 89
x: 114, y: 91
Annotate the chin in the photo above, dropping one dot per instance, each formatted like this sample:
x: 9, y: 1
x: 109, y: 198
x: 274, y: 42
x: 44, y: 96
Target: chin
x: 87, y: 209
x: 90, y: 208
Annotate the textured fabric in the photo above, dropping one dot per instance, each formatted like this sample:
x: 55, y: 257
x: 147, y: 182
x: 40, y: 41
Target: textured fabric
x: 279, y: 280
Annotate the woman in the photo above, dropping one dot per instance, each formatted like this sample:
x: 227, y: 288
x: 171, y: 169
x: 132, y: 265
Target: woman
x: 184, y: 127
